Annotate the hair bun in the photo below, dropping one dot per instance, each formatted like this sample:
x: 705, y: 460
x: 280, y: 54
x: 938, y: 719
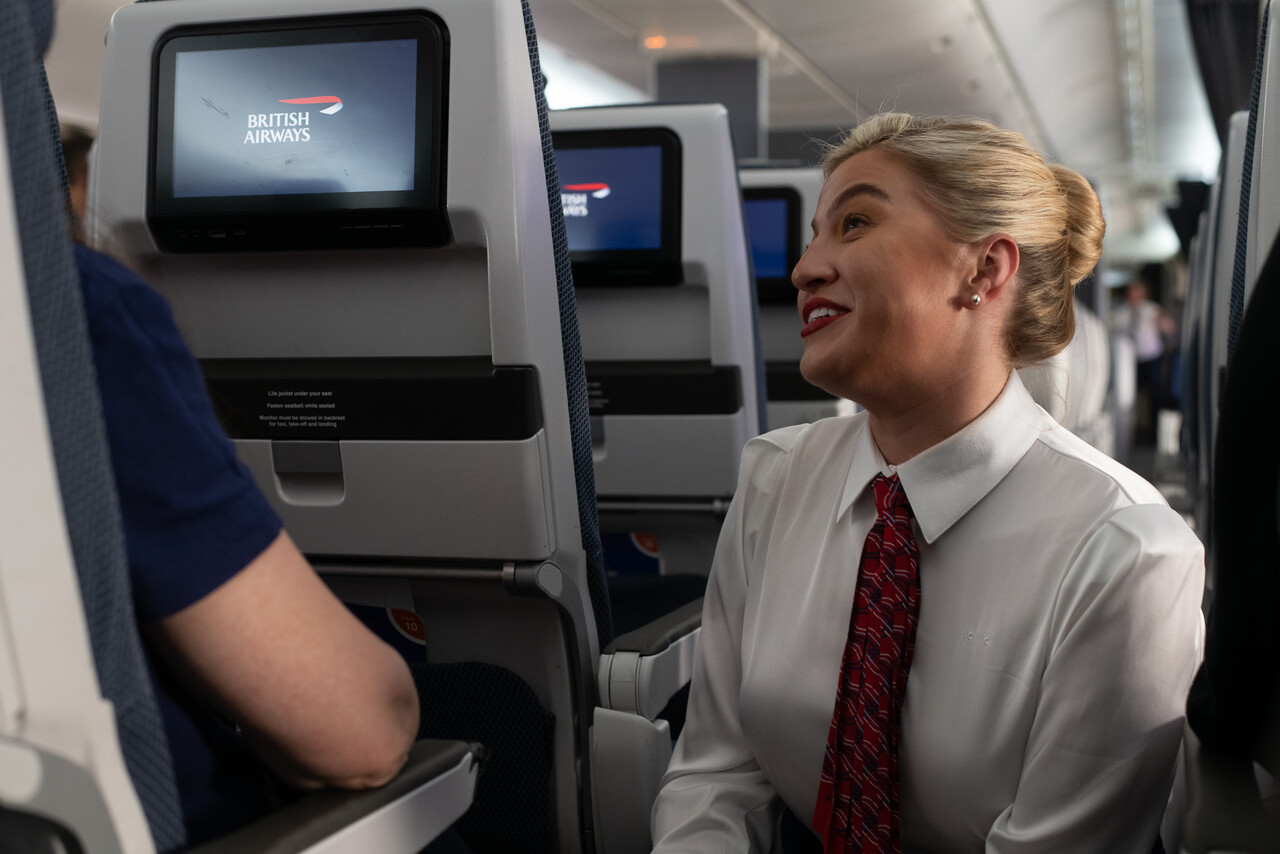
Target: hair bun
x: 1084, y: 225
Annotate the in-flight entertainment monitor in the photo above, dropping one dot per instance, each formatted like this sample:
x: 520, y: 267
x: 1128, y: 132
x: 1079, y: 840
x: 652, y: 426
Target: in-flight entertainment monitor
x: 319, y: 133
x: 773, y: 227
x: 621, y: 192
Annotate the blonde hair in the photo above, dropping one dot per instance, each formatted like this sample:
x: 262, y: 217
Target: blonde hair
x: 981, y: 180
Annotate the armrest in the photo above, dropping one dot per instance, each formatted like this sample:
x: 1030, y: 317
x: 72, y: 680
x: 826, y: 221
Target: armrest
x: 430, y: 793
x: 1224, y: 807
x: 641, y: 670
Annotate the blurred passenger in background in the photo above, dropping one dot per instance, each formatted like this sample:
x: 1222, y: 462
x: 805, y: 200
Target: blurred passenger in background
x: 1147, y: 324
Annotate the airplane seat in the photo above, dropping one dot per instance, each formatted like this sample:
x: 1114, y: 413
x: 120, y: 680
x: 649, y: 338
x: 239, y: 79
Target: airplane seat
x: 1090, y: 367
x: 667, y: 317
x: 1233, y: 714
x: 85, y: 764
x: 1250, y: 219
x: 1215, y: 314
x: 61, y: 550
x: 516, y: 734
x: 1260, y: 199
x: 779, y: 203
x: 383, y: 310
x: 1072, y: 386
x: 668, y: 326
x: 1122, y: 390
x: 1198, y: 265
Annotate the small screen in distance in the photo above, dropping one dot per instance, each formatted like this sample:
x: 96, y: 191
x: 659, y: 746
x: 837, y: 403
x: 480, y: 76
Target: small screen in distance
x: 767, y: 224
x: 612, y: 197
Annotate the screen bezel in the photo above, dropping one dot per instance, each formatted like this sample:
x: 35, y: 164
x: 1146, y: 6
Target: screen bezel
x: 305, y: 220
x: 776, y: 290
x: 611, y: 267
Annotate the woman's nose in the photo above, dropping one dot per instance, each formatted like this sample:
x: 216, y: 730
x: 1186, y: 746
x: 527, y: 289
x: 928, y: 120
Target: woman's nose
x: 812, y: 270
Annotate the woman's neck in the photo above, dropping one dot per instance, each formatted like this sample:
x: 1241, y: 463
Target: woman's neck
x: 901, y: 432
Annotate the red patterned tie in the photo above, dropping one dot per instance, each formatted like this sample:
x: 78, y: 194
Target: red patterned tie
x: 857, y: 808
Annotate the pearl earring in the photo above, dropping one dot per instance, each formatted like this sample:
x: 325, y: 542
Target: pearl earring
x: 975, y: 300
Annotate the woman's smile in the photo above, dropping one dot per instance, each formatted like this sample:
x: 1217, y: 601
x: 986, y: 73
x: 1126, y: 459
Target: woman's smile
x: 818, y: 313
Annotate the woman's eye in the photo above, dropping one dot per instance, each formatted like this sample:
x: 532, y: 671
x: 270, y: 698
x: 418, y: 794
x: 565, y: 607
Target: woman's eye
x: 853, y: 221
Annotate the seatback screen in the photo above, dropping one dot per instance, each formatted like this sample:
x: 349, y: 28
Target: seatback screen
x: 767, y: 228
x: 612, y: 197
x: 263, y: 121
x: 773, y: 228
x: 325, y: 133
x: 621, y: 194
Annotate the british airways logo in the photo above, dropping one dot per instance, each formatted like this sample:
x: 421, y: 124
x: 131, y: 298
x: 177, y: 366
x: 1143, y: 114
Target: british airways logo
x: 288, y: 127
x: 333, y: 100
x: 597, y: 191
x: 574, y: 197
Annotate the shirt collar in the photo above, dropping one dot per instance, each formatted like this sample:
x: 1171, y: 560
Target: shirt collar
x: 946, y: 481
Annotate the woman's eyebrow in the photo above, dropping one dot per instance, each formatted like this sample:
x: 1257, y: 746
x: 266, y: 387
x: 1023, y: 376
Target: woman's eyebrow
x: 852, y: 192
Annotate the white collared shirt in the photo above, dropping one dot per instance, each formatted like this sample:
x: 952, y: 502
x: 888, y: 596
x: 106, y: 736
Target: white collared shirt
x: 1059, y: 630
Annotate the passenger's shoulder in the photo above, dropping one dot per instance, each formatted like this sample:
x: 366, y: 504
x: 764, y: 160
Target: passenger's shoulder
x: 117, y: 300
x: 97, y: 269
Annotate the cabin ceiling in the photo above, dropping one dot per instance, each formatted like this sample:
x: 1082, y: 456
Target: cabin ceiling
x: 1108, y: 87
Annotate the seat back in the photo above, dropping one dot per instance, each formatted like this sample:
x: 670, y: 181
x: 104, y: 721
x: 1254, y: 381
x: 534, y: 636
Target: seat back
x: 71, y: 733
x: 1123, y: 392
x: 1072, y: 386
x: 1233, y: 713
x: 1088, y: 374
x: 1215, y: 321
x: 672, y: 446
x: 1234, y: 708
x: 1199, y: 264
x: 1260, y: 198
x: 786, y: 197
x: 673, y: 365
x: 410, y: 410
x: 1247, y: 226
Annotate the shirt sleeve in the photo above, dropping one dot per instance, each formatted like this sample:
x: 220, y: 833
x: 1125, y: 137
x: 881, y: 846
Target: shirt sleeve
x: 1127, y: 637
x: 715, y: 796
x: 193, y: 517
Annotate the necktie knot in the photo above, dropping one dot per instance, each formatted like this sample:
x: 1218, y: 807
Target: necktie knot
x: 890, y: 496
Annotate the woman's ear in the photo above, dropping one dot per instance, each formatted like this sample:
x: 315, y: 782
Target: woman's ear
x: 997, y: 264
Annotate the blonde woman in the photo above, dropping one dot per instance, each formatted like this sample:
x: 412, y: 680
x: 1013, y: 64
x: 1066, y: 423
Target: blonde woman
x: 944, y: 623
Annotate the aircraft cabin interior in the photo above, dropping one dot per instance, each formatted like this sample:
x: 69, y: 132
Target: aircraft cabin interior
x: 486, y: 298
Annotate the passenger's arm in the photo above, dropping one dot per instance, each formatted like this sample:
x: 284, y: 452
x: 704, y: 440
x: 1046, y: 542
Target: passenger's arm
x: 1127, y: 637
x: 714, y: 796
x: 323, y: 700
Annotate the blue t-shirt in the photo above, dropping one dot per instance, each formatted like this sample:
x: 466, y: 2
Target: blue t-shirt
x: 193, y: 518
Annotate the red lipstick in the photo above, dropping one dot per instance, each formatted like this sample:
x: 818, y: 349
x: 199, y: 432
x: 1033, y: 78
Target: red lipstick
x: 812, y: 305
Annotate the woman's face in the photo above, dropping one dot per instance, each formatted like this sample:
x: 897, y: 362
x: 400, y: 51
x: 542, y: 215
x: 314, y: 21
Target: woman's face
x: 882, y: 290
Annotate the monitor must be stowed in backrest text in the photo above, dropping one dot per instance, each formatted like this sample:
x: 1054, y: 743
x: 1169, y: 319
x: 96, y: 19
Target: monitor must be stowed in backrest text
x: 311, y: 134
x: 621, y: 192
